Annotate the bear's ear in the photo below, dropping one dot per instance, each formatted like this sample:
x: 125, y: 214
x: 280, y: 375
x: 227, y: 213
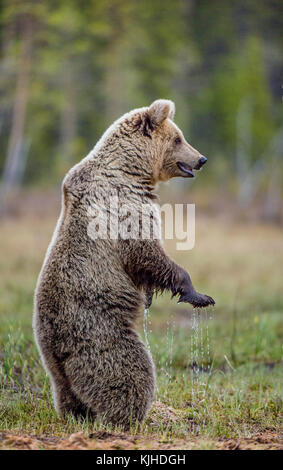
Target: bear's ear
x: 159, y: 110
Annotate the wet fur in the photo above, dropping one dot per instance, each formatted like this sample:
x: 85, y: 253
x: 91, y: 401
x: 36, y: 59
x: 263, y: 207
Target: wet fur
x: 90, y: 292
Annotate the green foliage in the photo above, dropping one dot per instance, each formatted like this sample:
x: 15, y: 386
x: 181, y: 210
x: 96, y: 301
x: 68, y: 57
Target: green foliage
x: 242, y: 78
x: 93, y: 60
x: 238, y: 390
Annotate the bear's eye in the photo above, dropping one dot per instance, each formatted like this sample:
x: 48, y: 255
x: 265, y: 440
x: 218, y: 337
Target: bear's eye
x: 178, y: 140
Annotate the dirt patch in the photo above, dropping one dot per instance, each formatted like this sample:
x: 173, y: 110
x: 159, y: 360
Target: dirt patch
x: 262, y: 441
x: 160, y: 413
x: 163, y: 413
x: 111, y: 441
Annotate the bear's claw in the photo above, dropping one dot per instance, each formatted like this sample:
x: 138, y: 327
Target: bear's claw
x: 197, y: 300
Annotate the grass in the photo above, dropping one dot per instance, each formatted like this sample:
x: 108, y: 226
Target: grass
x: 236, y: 389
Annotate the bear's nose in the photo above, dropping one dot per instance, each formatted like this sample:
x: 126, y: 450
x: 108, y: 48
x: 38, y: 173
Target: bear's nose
x: 202, y: 160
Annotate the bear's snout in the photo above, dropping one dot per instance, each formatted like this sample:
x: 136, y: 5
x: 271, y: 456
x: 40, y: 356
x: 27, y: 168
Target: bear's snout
x: 200, y: 163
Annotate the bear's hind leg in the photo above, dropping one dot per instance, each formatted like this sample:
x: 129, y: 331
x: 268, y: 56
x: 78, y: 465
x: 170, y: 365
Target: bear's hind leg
x: 117, y: 384
x: 64, y: 398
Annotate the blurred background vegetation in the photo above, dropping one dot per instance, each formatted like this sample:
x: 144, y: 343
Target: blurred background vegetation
x: 70, y: 67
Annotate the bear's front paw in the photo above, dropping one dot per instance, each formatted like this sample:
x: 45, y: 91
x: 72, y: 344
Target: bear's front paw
x: 148, y: 301
x: 197, y: 300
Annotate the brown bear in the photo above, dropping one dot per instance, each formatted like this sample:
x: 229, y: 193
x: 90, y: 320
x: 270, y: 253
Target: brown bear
x: 91, y: 290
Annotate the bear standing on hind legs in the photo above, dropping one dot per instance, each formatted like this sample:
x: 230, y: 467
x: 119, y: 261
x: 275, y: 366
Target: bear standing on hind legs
x: 92, y: 289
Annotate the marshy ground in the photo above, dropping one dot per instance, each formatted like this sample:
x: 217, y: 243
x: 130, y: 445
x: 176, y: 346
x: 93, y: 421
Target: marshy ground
x: 224, y: 392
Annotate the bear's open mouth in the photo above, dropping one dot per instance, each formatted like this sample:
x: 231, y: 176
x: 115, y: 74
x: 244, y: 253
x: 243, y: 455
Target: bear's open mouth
x: 186, y: 169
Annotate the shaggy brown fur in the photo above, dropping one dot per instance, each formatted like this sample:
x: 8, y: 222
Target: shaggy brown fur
x: 91, y: 291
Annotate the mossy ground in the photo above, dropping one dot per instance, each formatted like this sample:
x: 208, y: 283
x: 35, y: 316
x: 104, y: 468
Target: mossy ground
x: 237, y: 394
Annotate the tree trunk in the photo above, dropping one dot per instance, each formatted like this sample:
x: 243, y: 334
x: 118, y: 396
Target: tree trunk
x: 68, y: 120
x: 15, y: 160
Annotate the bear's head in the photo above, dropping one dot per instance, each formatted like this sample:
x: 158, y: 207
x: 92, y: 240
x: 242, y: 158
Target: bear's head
x: 150, y: 144
x: 174, y: 156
